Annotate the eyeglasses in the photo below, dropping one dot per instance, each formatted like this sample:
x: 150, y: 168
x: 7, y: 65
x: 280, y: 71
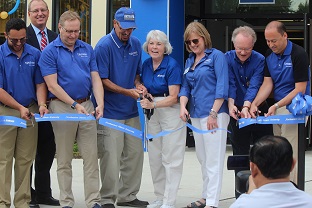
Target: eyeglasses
x: 195, y: 41
x: 36, y: 11
x: 71, y: 31
x: 14, y: 41
x: 243, y: 49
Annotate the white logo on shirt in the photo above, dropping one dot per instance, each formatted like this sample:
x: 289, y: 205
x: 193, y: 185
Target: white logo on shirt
x: 30, y: 63
x: 135, y: 53
x: 82, y: 55
x: 288, y: 64
x: 208, y: 60
x: 160, y: 75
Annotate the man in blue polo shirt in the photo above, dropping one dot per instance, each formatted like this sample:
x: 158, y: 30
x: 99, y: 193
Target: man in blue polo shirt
x: 287, y: 74
x: 69, y: 68
x: 245, y: 78
x: 21, y: 86
x: 118, y: 56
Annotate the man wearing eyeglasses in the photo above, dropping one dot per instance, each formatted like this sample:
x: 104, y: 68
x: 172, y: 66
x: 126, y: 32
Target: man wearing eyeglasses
x: 39, y: 36
x: 21, y: 88
x: 69, y: 68
x: 246, y: 76
x: 118, y: 56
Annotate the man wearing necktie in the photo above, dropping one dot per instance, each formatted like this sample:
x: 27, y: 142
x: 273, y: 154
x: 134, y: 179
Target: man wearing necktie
x: 38, y: 35
x: 44, y: 41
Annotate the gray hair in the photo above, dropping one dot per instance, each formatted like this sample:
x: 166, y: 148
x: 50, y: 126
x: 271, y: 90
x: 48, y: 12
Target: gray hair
x: 161, y: 37
x: 246, y: 31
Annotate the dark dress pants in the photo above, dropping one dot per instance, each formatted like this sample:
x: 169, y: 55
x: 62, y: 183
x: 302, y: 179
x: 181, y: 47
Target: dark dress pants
x: 44, y: 159
x: 241, y: 139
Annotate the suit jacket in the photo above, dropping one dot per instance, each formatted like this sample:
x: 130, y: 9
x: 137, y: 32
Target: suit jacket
x: 32, y: 37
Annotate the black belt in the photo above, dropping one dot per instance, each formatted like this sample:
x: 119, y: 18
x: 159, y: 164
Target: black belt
x: 161, y: 94
x: 78, y: 100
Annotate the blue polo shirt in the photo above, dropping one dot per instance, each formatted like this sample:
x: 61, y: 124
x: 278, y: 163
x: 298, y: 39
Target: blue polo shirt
x: 287, y: 69
x: 207, y: 82
x: 120, y: 63
x: 168, y: 73
x: 73, y: 68
x: 19, y: 76
x: 245, y: 78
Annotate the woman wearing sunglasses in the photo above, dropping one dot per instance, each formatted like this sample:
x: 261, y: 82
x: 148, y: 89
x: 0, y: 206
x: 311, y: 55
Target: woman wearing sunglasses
x: 205, y: 87
x: 162, y: 77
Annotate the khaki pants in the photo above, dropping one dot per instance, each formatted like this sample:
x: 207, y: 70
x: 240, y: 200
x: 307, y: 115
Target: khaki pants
x: 290, y: 132
x: 120, y: 155
x: 21, y: 144
x: 166, y: 154
x: 65, y: 134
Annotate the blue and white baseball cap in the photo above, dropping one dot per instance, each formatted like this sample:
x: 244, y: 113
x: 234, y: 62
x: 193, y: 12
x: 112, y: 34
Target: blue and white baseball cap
x: 126, y: 17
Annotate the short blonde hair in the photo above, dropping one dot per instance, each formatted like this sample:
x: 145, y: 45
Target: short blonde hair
x: 30, y: 4
x: 199, y: 29
x: 68, y: 16
x: 161, y: 37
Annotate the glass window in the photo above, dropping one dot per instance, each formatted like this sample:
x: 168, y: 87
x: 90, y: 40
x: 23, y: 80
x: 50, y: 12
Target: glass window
x: 113, y: 6
x: 280, y: 7
x: 233, y: 7
x: 82, y: 7
x: 8, y: 6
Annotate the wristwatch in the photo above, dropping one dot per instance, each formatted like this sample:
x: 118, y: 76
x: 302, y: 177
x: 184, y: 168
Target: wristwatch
x: 73, y: 106
x: 276, y: 105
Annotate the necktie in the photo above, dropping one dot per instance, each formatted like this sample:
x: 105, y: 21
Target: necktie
x: 43, y: 42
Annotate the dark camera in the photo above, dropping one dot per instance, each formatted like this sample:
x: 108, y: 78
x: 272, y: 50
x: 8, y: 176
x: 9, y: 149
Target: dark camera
x: 238, y: 162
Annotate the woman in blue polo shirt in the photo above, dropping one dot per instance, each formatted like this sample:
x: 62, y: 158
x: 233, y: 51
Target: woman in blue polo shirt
x: 162, y: 76
x: 205, y: 86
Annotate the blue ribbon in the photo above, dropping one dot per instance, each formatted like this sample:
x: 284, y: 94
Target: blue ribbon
x: 121, y: 127
x: 140, y: 134
x: 205, y: 131
x: 15, y: 7
x: 300, y: 107
x: 276, y: 119
x: 64, y: 117
x: 142, y: 122
x: 300, y: 104
x: 12, y: 121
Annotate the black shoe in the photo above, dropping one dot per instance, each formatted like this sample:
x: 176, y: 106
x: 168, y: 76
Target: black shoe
x: 48, y: 201
x: 134, y: 203
x: 108, y: 206
x: 33, y: 204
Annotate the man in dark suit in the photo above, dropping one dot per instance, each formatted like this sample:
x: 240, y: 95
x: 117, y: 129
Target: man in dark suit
x: 39, y: 36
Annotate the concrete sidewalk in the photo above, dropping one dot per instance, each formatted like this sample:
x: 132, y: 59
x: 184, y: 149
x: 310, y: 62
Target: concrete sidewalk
x: 190, y: 187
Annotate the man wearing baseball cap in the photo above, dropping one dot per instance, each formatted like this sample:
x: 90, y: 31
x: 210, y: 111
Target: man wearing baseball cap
x: 118, y: 56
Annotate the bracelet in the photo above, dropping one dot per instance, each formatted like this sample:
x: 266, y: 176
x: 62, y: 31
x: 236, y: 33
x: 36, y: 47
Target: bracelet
x: 154, y: 105
x: 44, y: 105
x: 245, y: 106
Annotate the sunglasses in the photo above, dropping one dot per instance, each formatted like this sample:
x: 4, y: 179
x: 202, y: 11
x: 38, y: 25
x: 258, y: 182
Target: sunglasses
x: 195, y: 41
x: 15, y: 41
x: 128, y: 29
